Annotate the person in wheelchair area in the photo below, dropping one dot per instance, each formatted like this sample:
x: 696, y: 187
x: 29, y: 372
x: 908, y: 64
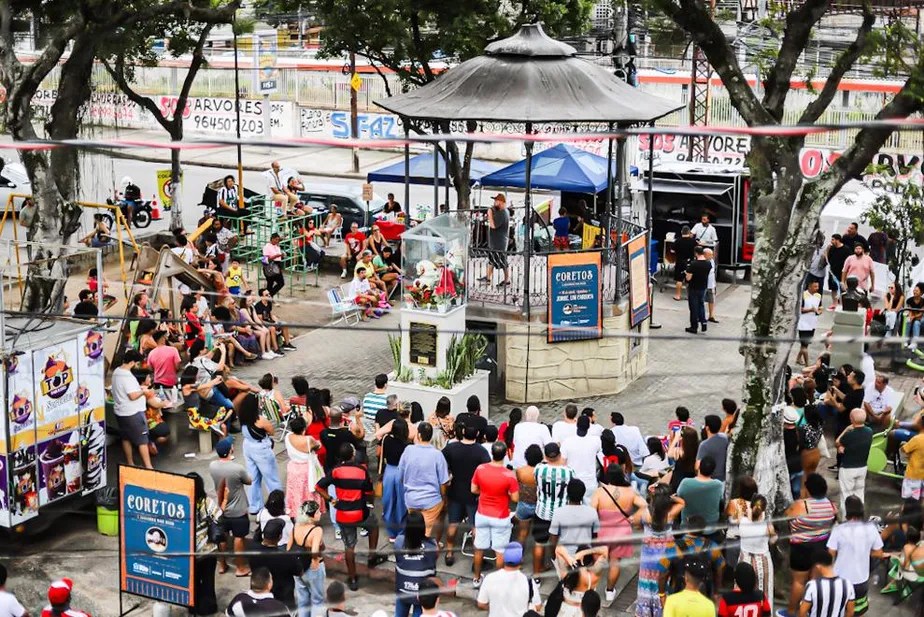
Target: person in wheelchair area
x: 131, y: 198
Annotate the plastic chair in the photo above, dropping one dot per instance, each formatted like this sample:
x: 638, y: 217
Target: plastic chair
x: 343, y: 310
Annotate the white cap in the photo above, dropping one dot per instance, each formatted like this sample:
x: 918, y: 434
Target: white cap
x: 126, y: 180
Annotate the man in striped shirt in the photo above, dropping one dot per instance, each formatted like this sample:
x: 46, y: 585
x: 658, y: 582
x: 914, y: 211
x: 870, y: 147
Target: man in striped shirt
x: 552, y: 478
x: 373, y: 403
x: 827, y: 595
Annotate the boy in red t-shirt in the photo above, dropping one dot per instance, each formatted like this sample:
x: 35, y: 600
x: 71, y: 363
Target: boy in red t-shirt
x: 496, y: 487
x: 746, y: 599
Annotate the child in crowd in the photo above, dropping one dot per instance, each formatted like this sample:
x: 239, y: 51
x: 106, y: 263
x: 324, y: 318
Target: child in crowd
x: 235, y: 279
x: 93, y: 284
x: 672, y: 439
x: 562, y: 225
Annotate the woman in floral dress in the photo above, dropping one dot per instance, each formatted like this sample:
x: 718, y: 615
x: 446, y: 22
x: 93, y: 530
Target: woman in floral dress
x: 658, y: 548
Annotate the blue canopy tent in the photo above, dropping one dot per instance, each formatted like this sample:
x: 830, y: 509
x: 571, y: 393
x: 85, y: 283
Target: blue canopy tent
x: 560, y: 168
x: 421, y: 171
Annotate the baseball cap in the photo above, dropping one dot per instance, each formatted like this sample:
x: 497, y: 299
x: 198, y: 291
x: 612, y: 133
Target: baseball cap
x: 513, y: 554
x: 273, y: 529
x: 223, y: 447
x: 59, y: 592
x: 583, y: 425
x: 552, y: 450
x: 500, y: 197
x: 349, y: 404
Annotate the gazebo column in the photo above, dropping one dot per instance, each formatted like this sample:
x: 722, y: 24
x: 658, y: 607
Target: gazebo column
x: 620, y: 198
x: 436, y: 178
x: 407, y: 170
x: 446, y: 162
x: 605, y: 220
x: 528, y: 235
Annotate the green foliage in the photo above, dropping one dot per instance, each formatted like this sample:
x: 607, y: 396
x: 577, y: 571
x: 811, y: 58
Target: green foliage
x: 893, y: 50
x: 462, y: 355
x: 899, y: 212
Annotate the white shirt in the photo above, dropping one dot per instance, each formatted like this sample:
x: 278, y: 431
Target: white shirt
x: 581, y: 455
x: 274, y: 181
x: 561, y: 430
x: 653, y: 465
x: 809, y: 321
x: 705, y: 234
x: 754, y: 535
x: 359, y: 286
x: 595, y: 430
x: 526, y: 434
x: 853, y: 541
x: 10, y: 606
x: 123, y: 384
x: 185, y: 253
x: 507, y: 593
x: 631, y: 438
x: 879, y: 400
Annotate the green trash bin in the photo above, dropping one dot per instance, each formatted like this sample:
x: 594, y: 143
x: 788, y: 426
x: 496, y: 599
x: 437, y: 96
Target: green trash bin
x: 107, y: 521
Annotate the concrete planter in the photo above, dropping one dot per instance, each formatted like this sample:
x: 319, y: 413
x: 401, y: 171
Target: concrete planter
x: 427, y: 396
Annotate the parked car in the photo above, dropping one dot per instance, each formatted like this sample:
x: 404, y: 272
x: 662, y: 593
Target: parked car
x: 14, y: 180
x: 349, y: 202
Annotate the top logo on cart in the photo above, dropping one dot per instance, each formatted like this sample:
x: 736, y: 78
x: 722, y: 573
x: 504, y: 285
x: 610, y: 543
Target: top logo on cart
x: 57, y: 378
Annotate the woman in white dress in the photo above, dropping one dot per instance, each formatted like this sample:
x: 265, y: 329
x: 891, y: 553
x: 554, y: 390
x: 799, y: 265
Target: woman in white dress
x: 757, y: 533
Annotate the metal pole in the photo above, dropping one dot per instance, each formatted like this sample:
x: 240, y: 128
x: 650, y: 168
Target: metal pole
x: 99, y: 284
x: 436, y: 179
x: 354, y: 118
x: 407, y: 173
x: 3, y: 333
x: 620, y: 194
x: 649, y: 194
x: 237, y: 116
x: 528, y: 235
x: 446, y: 163
x: 605, y: 221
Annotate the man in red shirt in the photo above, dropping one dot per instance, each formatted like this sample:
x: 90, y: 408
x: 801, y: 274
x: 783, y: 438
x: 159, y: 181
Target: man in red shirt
x: 496, y: 486
x: 353, y: 246
x: 746, y: 599
x: 164, y: 360
x: 59, y: 597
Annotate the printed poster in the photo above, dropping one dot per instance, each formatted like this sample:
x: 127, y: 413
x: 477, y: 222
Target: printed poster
x: 91, y: 402
x: 157, y: 535
x: 20, y: 471
x: 574, y: 310
x: 638, y: 280
x: 57, y: 394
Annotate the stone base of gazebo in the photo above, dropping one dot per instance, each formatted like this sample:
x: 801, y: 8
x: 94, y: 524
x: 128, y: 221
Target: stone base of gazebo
x: 536, y: 370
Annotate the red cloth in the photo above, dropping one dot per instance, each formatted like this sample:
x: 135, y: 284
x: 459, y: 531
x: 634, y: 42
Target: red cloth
x: 495, y: 484
x: 391, y: 230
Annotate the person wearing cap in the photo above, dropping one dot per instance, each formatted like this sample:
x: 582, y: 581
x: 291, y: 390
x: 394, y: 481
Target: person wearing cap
x: 683, y: 255
x: 690, y: 601
x: 258, y: 601
x: 582, y: 451
x: 129, y: 406
x: 498, y: 238
x: 792, y: 449
x: 229, y: 479
x: 508, y: 592
x: 528, y: 432
x: 59, y: 600
x: 495, y: 486
x: 9, y: 605
x: 282, y: 565
x: 552, y: 479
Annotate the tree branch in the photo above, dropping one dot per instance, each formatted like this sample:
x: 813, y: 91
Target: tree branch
x: 198, y: 59
x: 418, y: 46
x: 799, y: 24
x: 844, y: 63
x: 117, y: 73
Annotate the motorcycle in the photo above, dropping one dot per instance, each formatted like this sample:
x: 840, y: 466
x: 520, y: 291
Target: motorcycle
x: 142, y: 213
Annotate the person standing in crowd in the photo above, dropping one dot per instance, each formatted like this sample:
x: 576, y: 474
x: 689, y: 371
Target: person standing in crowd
x: 257, y: 433
x: 273, y: 265
x: 613, y: 500
x: 462, y: 459
x: 852, y: 237
x: 747, y: 598
x: 529, y: 431
x: 704, y: 232
x: 526, y: 487
x: 792, y: 448
x: 683, y: 252
x: 756, y: 534
x: 853, y: 543
x: 552, y: 480
x: 429, y: 596
x: 394, y: 509
x: 472, y: 417
x: 826, y: 595
x: 259, y: 600
x: 498, y: 237
x: 715, y: 445
x: 878, y: 246
x: 691, y: 601
x: 841, y: 404
x: 697, y: 277
x: 282, y: 565
x: 415, y: 562
x: 372, y: 403
x: 229, y: 479
x: 307, y: 544
x: 854, y: 445
x: 495, y: 486
x: 581, y: 453
x: 207, y: 514
x: 303, y: 469
x: 658, y: 548
x: 164, y: 360
x: 630, y: 437
x: 915, y: 314
x: 810, y: 522
x: 59, y: 600
x: 703, y: 495
x: 711, y: 286
x: 353, y: 244
x: 836, y: 255
x: 9, y: 605
x: 353, y: 492
x: 808, y: 319
x: 566, y: 426
x: 508, y: 592
x: 861, y: 266
x: 129, y: 406
x: 573, y: 525
x: 425, y: 475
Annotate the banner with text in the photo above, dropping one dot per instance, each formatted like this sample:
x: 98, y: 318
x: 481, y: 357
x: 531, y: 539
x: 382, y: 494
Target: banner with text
x: 638, y: 280
x: 574, y: 310
x: 157, y: 535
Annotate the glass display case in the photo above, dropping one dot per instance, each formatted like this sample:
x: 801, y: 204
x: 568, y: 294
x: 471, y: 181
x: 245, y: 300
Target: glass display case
x: 434, y: 258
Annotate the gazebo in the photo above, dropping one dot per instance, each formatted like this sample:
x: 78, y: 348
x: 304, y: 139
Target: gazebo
x: 531, y: 79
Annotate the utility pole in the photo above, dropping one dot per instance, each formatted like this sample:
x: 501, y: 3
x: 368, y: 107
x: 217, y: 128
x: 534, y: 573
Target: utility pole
x: 355, y: 84
x: 700, y: 98
x: 237, y: 116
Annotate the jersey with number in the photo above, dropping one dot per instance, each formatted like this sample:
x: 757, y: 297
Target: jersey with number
x: 741, y: 604
x: 551, y: 488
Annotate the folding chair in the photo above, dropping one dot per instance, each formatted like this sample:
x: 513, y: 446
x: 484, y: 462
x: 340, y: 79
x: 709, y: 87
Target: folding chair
x: 343, y: 310
x: 294, y: 412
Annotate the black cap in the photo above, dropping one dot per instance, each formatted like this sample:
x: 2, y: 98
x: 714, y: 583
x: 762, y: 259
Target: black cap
x: 273, y: 529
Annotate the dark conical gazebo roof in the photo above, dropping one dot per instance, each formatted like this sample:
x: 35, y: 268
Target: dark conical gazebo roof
x: 530, y: 77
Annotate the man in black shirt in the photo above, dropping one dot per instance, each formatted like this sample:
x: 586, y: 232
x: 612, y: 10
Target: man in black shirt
x: 852, y: 237
x: 336, y: 435
x: 259, y: 601
x: 683, y: 255
x: 836, y: 255
x: 283, y: 566
x: 384, y: 416
x: 462, y: 458
x: 842, y: 403
x: 86, y: 307
x: 697, y: 280
x: 472, y: 417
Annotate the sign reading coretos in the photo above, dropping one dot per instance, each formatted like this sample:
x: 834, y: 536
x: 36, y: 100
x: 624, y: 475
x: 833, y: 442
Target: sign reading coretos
x: 574, y: 311
x: 638, y: 281
x: 157, y: 535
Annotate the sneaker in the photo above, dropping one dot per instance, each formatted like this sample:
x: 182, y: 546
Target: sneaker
x: 690, y: 330
x: 703, y: 326
x: 476, y: 583
x: 784, y: 613
x: 343, y: 274
x: 353, y: 583
x: 269, y: 355
x: 610, y: 595
x: 537, y: 581
x: 337, y: 534
x: 289, y: 347
x: 363, y: 532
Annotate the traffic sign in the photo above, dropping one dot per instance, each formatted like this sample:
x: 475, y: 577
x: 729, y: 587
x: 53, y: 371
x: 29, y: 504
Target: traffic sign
x: 356, y: 82
x: 367, y: 191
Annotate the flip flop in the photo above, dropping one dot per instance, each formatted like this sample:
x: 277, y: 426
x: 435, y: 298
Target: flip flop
x: 244, y: 575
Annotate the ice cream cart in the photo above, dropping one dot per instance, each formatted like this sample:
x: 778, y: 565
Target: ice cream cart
x: 53, y: 436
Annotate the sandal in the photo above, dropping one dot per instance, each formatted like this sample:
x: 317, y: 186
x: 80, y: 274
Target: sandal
x: 450, y: 559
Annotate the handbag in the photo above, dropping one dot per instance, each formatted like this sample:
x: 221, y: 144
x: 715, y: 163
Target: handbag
x: 271, y: 268
x: 378, y: 487
x: 216, y: 533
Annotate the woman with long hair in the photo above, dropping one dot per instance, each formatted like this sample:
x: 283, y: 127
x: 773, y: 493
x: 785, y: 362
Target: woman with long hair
x: 417, y: 414
x: 738, y: 507
x: 443, y: 423
x: 505, y: 432
x: 275, y: 508
x: 526, y: 481
x: 318, y: 419
x: 307, y: 542
x: 303, y: 469
x: 415, y: 560
x: 583, y: 576
x: 206, y: 513
x: 757, y: 533
x: 811, y: 432
x: 393, y: 507
x: 658, y: 548
x: 618, y: 505
x: 248, y: 317
x: 685, y: 467
x: 259, y: 459
x: 894, y: 301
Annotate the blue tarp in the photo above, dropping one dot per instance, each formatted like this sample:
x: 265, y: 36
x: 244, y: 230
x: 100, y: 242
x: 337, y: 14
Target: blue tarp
x: 422, y: 171
x: 561, y: 168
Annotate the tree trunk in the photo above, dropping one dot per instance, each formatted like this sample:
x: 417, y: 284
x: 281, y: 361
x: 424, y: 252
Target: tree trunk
x: 176, y: 213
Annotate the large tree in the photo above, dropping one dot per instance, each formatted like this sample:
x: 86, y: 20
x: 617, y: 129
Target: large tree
x: 72, y: 33
x: 786, y: 207
x: 411, y: 38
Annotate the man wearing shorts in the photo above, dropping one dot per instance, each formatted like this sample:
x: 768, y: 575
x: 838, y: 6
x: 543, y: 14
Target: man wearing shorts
x: 354, y: 491
x: 129, y: 406
x: 425, y: 476
x: 496, y: 486
x: 913, y: 483
x: 552, y: 478
x: 498, y: 236
x: 683, y: 254
x: 229, y: 479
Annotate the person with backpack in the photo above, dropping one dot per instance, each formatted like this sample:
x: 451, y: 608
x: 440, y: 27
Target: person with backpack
x: 509, y: 592
x: 307, y: 542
